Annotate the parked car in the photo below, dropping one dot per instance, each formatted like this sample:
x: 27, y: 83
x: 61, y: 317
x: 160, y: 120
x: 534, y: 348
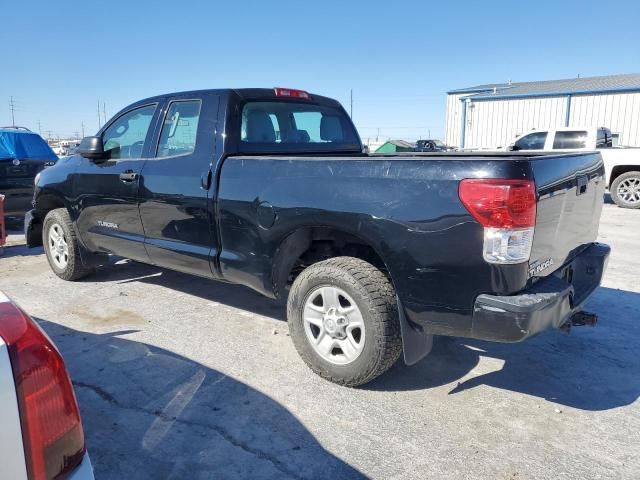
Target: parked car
x: 23, y: 154
x: 40, y: 427
x: 375, y: 254
x: 622, y: 165
x: 431, y: 146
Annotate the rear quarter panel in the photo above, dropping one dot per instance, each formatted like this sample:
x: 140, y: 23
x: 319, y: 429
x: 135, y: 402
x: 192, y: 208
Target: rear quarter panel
x: 406, y: 208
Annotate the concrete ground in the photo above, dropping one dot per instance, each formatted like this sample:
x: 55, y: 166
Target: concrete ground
x: 179, y: 377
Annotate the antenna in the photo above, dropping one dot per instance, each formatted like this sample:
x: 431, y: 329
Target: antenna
x: 13, y: 106
x: 351, y: 111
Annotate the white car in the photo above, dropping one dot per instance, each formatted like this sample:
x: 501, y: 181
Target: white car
x: 41, y: 435
x: 622, y: 165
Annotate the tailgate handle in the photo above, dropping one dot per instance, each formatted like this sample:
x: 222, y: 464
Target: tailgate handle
x: 583, y: 181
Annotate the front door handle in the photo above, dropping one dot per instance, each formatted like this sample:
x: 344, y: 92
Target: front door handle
x: 128, y: 176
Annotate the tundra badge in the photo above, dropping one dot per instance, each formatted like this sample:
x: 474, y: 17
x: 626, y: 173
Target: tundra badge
x: 102, y: 223
x: 539, y: 267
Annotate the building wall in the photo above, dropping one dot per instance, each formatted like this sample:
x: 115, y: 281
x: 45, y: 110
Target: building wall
x: 492, y: 123
x: 452, y: 122
x: 620, y: 112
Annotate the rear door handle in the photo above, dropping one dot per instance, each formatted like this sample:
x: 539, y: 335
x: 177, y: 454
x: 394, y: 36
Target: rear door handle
x: 128, y: 176
x: 205, y: 180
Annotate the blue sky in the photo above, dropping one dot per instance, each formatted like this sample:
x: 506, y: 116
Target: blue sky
x: 59, y: 58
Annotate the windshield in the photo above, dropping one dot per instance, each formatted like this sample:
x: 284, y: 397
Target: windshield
x: 295, y: 127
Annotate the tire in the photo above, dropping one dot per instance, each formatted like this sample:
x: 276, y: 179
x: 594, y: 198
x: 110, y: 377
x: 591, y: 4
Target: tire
x: 625, y: 190
x: 377, y: 345
x: 62, y: 247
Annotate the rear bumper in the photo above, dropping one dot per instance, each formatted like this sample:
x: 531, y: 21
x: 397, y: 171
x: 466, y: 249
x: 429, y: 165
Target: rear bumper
x: 550, y: 303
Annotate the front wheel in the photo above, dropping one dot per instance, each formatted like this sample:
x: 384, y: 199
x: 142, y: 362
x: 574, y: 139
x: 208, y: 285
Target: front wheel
x: 343, y: 319
x: 61, y: 246
x: 625, y: 190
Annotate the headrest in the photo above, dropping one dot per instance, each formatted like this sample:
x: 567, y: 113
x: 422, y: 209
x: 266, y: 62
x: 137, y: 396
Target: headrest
x: 331, y: 128
x: 259, y: 127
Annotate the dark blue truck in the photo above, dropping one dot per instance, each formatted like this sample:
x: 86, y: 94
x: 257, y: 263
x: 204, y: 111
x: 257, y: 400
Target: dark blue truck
x: 270, y: 188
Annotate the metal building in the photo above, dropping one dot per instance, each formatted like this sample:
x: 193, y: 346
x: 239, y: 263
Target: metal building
x: 488, y: 116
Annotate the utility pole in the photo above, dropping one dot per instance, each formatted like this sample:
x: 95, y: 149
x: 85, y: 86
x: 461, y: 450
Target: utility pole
x: 82, y: 125
x: 39, y: 128
x: 13, y: 120
x: 351, y: 112
x: 104, y: 112
x: 99, y: 119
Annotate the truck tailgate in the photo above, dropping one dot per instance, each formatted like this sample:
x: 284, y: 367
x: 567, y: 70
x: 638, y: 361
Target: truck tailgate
x: 570, y: 197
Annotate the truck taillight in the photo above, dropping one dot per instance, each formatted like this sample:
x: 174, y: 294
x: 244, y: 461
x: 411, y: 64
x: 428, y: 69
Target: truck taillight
x: 290, y: 92
x: 507, y: 211
x: 51, y: 428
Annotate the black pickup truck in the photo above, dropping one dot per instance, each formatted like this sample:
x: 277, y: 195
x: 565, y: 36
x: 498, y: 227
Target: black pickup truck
x: 270, y: 188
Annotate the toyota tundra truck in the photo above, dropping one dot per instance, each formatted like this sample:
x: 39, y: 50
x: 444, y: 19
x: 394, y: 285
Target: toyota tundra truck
x: 375, y: 255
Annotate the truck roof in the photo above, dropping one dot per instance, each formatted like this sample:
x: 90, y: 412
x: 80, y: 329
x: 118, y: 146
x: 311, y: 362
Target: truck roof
x: 242, y: 93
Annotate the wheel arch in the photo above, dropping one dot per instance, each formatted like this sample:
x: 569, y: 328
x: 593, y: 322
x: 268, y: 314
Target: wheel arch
x: 44, y: 202
x: 621, y: 169
x: 310, y: 244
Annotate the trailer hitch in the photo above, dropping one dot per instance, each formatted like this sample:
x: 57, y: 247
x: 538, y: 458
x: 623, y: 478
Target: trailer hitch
x: 580, y: 319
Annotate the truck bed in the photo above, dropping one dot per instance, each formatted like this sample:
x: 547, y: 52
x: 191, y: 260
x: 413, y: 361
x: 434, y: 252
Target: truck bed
x: 407, y: 207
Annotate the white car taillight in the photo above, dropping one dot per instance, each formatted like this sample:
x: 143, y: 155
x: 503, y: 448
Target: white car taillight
x: 507, y: 211
x: 51, y: 427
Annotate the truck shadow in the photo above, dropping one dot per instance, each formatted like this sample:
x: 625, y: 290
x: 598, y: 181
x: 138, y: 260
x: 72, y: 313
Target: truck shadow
x: 150, y: 413
x: 590, y: 369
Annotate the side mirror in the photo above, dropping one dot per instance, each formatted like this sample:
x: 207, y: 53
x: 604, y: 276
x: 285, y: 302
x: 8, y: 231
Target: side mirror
x: 91, y: 148
x: 512, y: 148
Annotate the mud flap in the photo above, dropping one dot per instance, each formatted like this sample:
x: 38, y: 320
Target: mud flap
x: 416, y: 344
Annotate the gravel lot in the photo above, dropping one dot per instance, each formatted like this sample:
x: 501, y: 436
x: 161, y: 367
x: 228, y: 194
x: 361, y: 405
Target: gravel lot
x: 180, y: 377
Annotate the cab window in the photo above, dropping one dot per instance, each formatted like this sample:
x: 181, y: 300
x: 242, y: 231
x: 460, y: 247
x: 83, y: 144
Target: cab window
x: 180, y: 128
x: 296, y: 127
x: 570, y: 140
x: 125, y: 137
x: 533, y: 141
x: 604, y: 139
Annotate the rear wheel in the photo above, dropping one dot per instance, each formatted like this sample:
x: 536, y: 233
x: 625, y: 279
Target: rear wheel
x: 62, y: 247
x: 343, y: 320
x: 625, y: 190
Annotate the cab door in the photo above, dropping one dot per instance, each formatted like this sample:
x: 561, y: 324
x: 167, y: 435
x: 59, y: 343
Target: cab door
x: 106, y: 190
x: 176, y: 185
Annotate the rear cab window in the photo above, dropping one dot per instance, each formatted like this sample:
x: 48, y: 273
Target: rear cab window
x: 570, y: 139
x: 533, y: 141
x: 277, y: 126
